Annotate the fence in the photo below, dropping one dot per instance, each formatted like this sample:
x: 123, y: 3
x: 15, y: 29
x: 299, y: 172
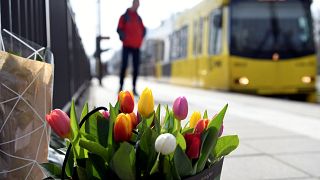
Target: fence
x: 51, y: 23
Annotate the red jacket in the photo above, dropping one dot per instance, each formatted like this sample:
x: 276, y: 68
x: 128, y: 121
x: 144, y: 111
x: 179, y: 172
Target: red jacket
x: 131, y: 29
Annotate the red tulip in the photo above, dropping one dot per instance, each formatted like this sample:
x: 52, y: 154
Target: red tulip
x: 180, y: 108
x: 193, y: 142
x: 201, y: 125
x: 59, y: 122
x: 126, y: 101
x: 122, y: 128
x: 133, y: 118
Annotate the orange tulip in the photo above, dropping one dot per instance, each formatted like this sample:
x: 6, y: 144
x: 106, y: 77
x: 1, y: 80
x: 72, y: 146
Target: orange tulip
x: 126, y: 101
x: 122, y: 128
x: 133, y: 119
x: 201, y: 125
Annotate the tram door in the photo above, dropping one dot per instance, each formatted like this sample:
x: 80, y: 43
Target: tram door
x: 217, y: 62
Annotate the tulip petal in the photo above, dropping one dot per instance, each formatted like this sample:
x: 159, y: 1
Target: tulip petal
x: 59, y: 121
x: 146, y: 103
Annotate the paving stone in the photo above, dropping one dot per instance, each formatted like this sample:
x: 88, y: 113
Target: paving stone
x: 258, y: 167
x: 309, y: 162
x: 285, y: 145
x: 256, y: 131
x: 244, y: 150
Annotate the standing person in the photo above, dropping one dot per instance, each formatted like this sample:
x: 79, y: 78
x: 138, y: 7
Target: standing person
x: 131, y: 32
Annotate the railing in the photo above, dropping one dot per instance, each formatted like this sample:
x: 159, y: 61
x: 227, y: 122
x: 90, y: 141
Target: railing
x: 50, y: 23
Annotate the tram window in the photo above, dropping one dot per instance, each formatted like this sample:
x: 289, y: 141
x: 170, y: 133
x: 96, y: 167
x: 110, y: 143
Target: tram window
x: 184, y: 41
x: 195, y: 33
x: 178, y: 43
x: 200, y: 41
x: 197, y: 36
x: 215, y: 32
x: 260, y: 29
x: 174, y: 46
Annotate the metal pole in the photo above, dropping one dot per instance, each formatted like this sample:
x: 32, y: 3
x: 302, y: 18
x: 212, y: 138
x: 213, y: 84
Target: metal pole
x: 98, y: 48
x: 48, y: 24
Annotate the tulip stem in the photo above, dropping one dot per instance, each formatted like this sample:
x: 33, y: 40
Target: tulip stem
x: 86, y: 117
x: 179, y: 124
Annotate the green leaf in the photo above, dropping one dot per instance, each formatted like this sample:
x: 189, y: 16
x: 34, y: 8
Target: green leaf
x: 144, y: 124
x: 181, y: 141
x: 70, y: 165
x: 123, y: 162
x: 82, y: 152
x: 99, y: 168
x: 74, y: 121
x: 113, y: 115
x: 217, y: 121
x: 225, y: 145
x: 155, y: 167
x: 148, y: 153
x: 95, y: 148
x: 208, y: 143
x: 169, y: 170
x: 187, y: 130
x: 182, y: 162
x: 85, y: 111
x: 78, y: 153
x: 98, y: 127
x: 169, y: 122
x: 157, y: 120
x: 117, y: 106
x: 88, y: 136
x: 205, y: 115
x: 52, y: 170
x: 150, y: 120
x: 82, y: 174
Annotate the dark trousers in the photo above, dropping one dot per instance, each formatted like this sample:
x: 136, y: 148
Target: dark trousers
x: 135, y: 52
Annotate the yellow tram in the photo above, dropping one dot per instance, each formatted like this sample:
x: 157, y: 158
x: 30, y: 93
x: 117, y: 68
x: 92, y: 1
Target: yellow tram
x: 255, y: 46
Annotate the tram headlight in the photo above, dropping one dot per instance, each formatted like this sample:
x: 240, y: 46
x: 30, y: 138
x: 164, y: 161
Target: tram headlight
x: 307, y: 79
x: 242, y: 81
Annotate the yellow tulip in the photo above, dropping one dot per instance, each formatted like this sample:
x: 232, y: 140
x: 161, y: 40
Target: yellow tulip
x: 146, y: 103
x: 195, y: 117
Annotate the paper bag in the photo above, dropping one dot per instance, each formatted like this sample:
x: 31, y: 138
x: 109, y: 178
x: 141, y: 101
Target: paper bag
x: 25, y: 99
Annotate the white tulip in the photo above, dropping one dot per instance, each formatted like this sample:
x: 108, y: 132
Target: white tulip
x: 166, y: 143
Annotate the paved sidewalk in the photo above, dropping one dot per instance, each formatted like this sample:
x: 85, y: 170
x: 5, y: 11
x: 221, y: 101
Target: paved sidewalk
x: 279, y: 139
x: 318, y: 87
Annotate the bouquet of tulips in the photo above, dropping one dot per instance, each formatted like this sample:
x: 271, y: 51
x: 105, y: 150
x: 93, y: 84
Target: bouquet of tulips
x: 118, y: 143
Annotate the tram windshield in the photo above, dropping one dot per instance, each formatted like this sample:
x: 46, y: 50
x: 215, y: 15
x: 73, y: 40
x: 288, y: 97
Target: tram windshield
x: 260, y: 28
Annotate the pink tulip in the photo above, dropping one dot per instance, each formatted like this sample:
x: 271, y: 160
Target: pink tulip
x: 59, y: 122
x: 105, y: 114
x: 180, y: 108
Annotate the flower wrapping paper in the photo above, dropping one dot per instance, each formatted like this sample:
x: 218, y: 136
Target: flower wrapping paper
x: 25, y: 98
